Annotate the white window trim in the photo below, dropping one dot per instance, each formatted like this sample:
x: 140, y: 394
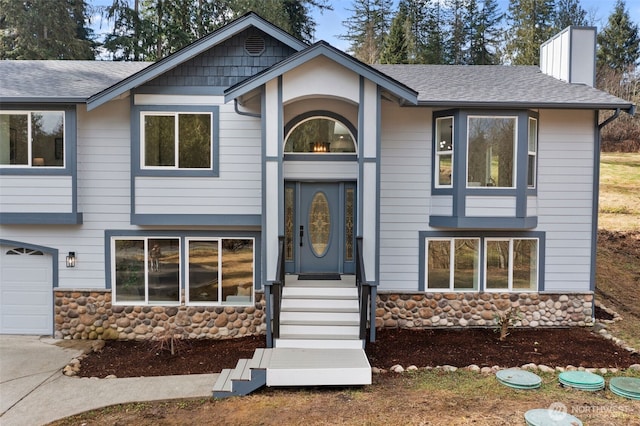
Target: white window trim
x: 176, y: 137
x: 29, y: 164
x: 514, y: 173
x: 534, y: 153
x: 510, y: 279
x: 444, y: 153
x: 451, y: 266
x: 146, y: 272
x: 316, y: 117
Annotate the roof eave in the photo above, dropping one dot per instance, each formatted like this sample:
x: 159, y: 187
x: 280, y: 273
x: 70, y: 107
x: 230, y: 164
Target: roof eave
x: 408, y: 95
x: 190, y: 51
x: 628, y: 107
x: 42, y: 100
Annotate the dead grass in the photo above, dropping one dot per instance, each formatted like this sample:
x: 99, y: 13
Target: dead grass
x: 620, y: 191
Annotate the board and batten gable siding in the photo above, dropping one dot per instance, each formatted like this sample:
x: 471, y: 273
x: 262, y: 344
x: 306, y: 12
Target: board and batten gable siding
x: 238, y: 187
x: 405, y: 189
x: 104, y: 194
x: 565, y: 197
x: 36, y: 194
x: 223, y: 65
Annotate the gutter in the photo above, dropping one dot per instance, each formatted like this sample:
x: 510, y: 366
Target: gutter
x: 248, y: 114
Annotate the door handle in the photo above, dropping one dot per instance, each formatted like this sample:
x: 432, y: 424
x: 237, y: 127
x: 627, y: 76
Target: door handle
x: 301, y: 234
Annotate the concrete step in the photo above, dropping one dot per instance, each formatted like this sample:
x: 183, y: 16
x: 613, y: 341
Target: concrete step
x: 320, y: 292
x: 318, y: 342
x: 333, y: 331
x: 320, y: 305
x: 320, y: 318
x: 318, y: 367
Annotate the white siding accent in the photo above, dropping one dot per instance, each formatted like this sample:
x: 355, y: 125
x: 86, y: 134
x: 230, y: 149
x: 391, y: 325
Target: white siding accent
x: 36, y: 194
x: 565, y: 197
x: 369, y: 132
x: 271, y: 229
x: 339, y: 170
x: 320, y: 77
x: 237, y: 189
x: 490, y: 206
x: 272, y: 112
x: 405, y: 188
x: 369, y: 224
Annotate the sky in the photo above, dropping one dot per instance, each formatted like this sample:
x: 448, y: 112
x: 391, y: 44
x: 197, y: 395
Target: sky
x: 329, y: 23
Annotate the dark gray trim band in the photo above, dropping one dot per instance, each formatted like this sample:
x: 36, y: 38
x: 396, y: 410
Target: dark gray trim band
x: 197, y: 219
x: 482, y: 222
x: 41, y: 218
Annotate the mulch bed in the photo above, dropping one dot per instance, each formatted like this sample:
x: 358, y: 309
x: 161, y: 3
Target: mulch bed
x: 553, y: 347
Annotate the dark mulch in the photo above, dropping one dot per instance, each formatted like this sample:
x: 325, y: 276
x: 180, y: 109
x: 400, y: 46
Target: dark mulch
x: 553, y: 347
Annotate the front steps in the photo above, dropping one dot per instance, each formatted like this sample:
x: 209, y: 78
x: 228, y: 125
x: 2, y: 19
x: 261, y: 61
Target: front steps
x: 319, y: 342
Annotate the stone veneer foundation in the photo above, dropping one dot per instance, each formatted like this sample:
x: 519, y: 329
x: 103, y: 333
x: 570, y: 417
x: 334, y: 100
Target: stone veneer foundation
x: 419, y: 310
x: 89, y: 314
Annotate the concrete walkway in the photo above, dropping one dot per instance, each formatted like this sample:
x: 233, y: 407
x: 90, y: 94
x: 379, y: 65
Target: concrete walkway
x: 33, y: 390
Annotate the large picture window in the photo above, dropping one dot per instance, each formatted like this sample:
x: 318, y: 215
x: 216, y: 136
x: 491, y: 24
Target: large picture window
x: 149, y: 271
x: 176, y: 140
x: 491, y: 151
x: 32, y: 138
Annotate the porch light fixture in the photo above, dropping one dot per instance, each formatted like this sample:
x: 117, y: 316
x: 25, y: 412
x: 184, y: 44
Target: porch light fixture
x: 71, y: 259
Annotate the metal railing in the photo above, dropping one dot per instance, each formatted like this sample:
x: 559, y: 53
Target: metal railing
x: 366, y: 295
x: 273, y: 296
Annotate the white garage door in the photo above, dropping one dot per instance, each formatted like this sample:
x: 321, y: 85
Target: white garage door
x: 26, y: 291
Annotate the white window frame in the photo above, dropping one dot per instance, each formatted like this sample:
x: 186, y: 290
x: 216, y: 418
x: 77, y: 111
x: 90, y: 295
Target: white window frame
x: 439, y: 153
x: 514, y: 161
x: 451, y: 287
x: 29, y: 164
x: 533, y: 153
x: 510, y: 276
x: 220, y: 302
x: 146, y: 271
x: 176, y: 115
x: 318, y: 117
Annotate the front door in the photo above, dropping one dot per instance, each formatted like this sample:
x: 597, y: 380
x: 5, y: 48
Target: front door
x: 320, y: 222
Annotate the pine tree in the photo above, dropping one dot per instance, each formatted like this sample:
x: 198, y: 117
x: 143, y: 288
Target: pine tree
x: 485, y: 34
x: 434, y: 45
x: 530, y: 25
x: 395, y: 46
x: 619, y: 42
x: 569, y: 12
x: 458, y: 25
x: 42, y: 29
x: 367, y: 28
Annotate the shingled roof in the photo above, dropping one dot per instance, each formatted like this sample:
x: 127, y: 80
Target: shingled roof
x: 497, y: 86
x: 61, y: 81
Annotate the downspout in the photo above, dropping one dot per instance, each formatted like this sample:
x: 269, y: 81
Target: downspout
x: 248, y: 114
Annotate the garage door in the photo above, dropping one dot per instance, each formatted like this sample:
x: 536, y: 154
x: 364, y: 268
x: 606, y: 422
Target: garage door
x: 26, y: 291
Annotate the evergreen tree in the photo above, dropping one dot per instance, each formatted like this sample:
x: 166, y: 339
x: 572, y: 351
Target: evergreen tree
x: 434, y: 44
x: 367, y: 28
x: 530, y: 25
x: 458, y: 24
x: 569, y: 12
x: 42, y: 29
x: 619, y: 42
x: 396, y: 46
x: 485, y: 33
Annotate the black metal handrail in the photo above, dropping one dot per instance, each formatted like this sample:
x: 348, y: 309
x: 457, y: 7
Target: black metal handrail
x: 366, y: 295
x: 277, y: 286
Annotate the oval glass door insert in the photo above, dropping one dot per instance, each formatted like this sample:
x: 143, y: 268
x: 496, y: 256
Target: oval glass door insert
x: 319, y: 224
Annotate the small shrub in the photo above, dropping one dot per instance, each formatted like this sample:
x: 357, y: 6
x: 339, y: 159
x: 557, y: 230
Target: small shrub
x: 506, y: 319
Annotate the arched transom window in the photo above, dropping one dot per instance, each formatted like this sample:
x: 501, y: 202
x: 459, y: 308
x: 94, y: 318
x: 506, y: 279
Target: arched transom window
x: 320, y: 135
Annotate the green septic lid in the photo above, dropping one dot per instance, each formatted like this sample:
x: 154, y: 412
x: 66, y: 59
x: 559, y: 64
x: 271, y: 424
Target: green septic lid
x: 518, y: 379
x: 581, y: 380
x: 627, y: 387
x: 547, y: 417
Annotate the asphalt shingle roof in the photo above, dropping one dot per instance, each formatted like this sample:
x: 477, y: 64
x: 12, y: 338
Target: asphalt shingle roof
x: 61, y: 80
x: 480, y: 85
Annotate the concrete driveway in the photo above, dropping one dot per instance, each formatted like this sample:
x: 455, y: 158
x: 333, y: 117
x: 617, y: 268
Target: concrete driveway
x: 33, y: 390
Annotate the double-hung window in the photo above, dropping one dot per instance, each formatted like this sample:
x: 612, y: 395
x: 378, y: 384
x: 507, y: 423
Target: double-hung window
x: 176, y: 140
x: 444, y: 152
x: 32, y: 138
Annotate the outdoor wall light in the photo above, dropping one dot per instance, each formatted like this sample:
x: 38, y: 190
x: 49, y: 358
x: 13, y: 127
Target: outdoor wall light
x: 71, y: 259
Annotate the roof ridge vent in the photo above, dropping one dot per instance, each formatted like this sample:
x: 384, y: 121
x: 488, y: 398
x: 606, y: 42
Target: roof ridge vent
x: 254, y: 45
